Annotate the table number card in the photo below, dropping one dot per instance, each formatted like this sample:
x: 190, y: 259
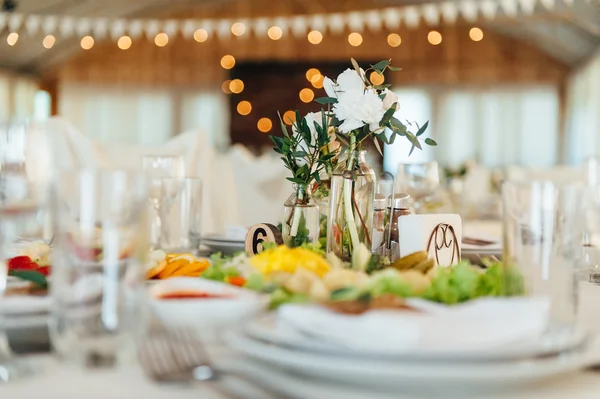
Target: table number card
x: 438, y: 234
x: 260, y: 233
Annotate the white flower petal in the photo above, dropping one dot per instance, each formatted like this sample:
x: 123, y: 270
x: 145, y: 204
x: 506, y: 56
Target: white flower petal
x: 389, y: 99
x: 329, y: 87
x: 349, y: 83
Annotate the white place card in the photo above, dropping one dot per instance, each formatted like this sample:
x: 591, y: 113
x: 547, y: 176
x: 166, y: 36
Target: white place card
x: 438, y: 234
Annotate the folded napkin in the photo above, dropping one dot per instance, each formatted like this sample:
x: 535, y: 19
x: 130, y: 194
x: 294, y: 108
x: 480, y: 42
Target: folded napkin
x: 485, y: 323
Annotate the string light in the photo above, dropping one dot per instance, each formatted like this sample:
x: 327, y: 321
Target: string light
x: 236, y: 86
x: 48, y: 41
x: 476, y: 34
x: 244, y: 107
x: 225, y: 87
x: 315, y: 37
x: 87, y: 42
x: 12, y: 38
x: 355, y: 39
x: 275, y: 33
x: 311, y: 73
x: 434, y: 37
x: 228, y: 61
x: 161, y: 39
x: 307, y: 95
x: 318, y: 84
x: 394, y: 39
x: 200, y: 35
x: 238, y: 29
x: 376, y: 78
x: 289, y: 117
x: 124, y: 42
x: 264, y: 125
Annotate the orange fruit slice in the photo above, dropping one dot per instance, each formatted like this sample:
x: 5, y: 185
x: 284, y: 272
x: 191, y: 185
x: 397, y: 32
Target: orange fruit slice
x: 172, y: 267
x: 156, y: 270
x: 188, y: 257
x: 192, y: 270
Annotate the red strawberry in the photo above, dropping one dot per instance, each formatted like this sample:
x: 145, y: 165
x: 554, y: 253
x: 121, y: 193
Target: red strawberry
x: 45, y: 270
x: 21, y: 263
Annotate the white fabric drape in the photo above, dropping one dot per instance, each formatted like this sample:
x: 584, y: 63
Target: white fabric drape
x: 146, y: 116
x: 17, y: 95
x: 495, y: 126
x: 583, y: 112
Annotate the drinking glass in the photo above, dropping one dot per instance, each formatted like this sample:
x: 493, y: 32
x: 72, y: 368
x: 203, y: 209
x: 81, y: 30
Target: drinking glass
x: 159, y: 167
x: 101, y: 244
x: 543, y: 237
x: 181, y: 214
x: 422, y: 182
x: 22, y: 204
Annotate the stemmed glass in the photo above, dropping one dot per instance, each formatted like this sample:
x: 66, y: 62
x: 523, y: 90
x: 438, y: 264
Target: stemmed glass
x: 159, y: 167
x: 20, y: 204
x: 422, y: 182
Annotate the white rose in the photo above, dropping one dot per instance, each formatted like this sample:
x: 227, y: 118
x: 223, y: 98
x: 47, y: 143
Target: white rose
x: 348, y: 82
x: 356, y: 110
x: 389, y: 99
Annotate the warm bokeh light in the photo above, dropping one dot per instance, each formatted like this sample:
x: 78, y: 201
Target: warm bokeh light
x: 376, y: 78
x: 275, y: 33
x: 225, y: 86
x: 200, y: 35
x: 394, y: 39
x: 476, y: 34
x: 318, y: 83
x: 49, y: 41
x: 355, y: 39
x: 264, y: 125
x: 87, y: 42
x: 434, y: 37
x: 289, y: 117
x: 12, y: 38
x: 238, y: 29
x: 315, y: 37
x: 236, y: 86
x: 311, y: 73
x: 124, y: 42
x: 228, y: 61
x: 307, y: 95
x: 161, y: 39
x: 244, y: 107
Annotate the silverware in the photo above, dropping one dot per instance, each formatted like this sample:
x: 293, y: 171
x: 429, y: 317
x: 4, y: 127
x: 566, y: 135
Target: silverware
x: 176, y: 356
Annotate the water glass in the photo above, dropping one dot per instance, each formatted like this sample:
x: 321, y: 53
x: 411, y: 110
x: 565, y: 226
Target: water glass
x: 159, y: 167
x: 100, y: 249
x: 422, y: 182
x: 181, y: 214
x: 543, y: 237
x: 22, y: 210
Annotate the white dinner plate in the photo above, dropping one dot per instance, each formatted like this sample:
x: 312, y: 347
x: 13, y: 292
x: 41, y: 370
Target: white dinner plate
x: 401, y: 374
x: 268, y: 330
x: 222, y: 238
x: 227, y: 248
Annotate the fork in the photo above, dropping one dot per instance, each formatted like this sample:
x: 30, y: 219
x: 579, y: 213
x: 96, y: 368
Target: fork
x: 176, y: 356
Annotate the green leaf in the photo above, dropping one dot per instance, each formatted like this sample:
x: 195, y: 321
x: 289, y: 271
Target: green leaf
x: 283, y: 127
x: 387, y: 117
x: 377, y: 145
x: 413, y: 140
x: 36, y: 278
x: 326, y: 100
x: 430, y: 142
x: 422, y: 129
x: 296, y: 180
x: 411, y: 150
x: 393, y: 68
x: 383, y: 87
x: 381, y: 65
x: 356, y: 67
x: 299, y: 154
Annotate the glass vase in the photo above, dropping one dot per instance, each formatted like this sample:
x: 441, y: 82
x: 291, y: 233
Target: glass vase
x: 301, y: 219
x: 320, y: 194
x: 351, y: 198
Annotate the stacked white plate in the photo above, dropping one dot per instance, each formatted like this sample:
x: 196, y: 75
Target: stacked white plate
x: 486, y: 249
x: 295, y: 350
x: 223, y: 244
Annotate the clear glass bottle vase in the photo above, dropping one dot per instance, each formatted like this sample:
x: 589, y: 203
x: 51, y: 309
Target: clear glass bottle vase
x: 351, y: 198
x: 301, y: 218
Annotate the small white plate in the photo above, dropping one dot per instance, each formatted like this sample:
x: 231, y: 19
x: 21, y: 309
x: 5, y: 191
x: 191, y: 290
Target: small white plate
x: 400, y: 374
x: 206, y: 314
x: 225, y: 247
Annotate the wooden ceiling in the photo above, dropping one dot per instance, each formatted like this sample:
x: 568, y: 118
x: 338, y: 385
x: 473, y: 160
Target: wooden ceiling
x: 569, y: 34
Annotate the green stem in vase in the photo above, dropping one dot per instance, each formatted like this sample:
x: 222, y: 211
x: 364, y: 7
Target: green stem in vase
x: 348, y: 189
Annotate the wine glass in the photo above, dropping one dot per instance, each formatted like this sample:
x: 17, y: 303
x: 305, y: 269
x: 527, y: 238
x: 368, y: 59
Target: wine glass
x: 159, y: 167
x: 22, y: 201
x: 422, y: 182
